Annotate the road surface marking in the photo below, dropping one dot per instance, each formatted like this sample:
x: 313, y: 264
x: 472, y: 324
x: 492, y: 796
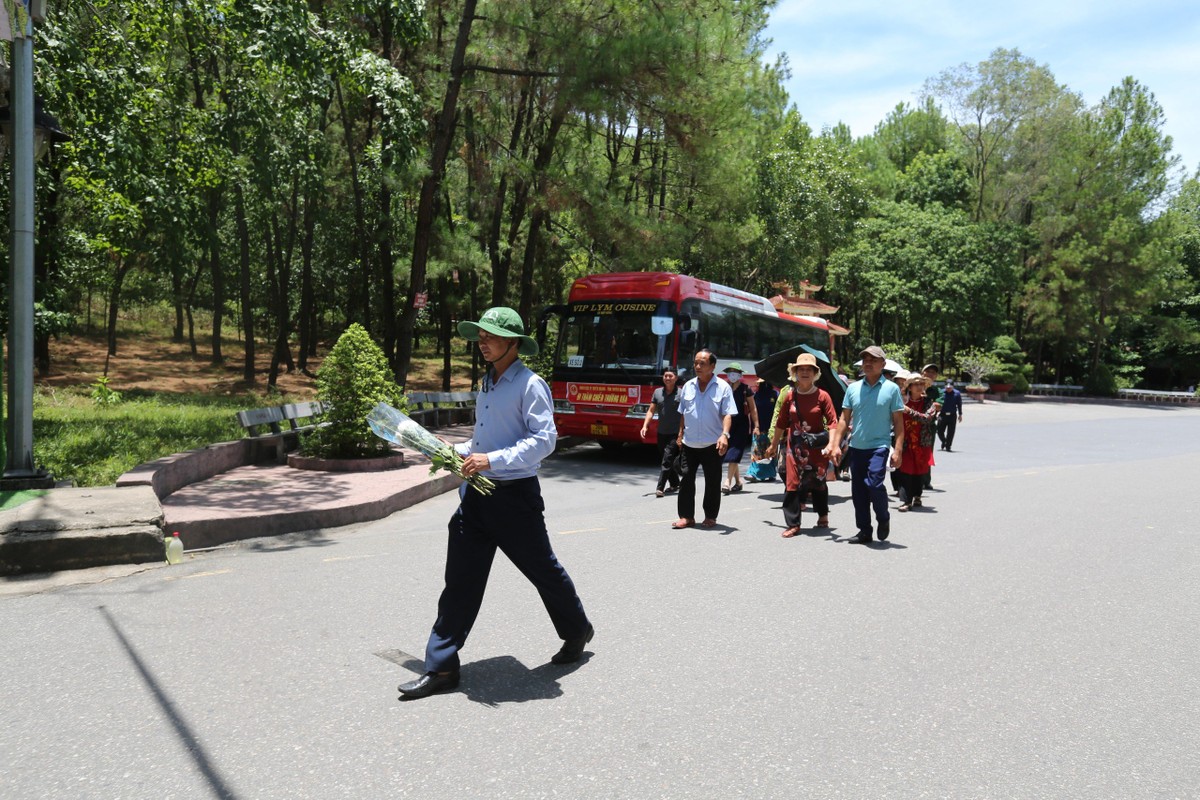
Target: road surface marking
x: 199, y: 575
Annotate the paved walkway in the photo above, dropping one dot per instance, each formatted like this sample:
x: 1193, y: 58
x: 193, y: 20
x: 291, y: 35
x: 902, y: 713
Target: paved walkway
x: 269, y: 499
x: 71, y: 528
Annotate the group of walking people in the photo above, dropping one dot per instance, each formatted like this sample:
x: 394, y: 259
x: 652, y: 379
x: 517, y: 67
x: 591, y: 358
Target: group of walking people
x: 885, y: 421
x: 514, y: 431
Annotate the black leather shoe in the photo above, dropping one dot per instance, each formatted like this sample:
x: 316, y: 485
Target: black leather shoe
x: 572, y: 649
x: 864, y: 537
x: 429, y: 683
x: 885, y: 530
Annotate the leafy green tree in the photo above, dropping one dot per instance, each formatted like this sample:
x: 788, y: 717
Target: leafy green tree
x: 811, y: 194
x: 926, y: 276
x: 1002, y: 108
x: 1168, y: 334
x: 1103, y: 254
x: 935, y: 178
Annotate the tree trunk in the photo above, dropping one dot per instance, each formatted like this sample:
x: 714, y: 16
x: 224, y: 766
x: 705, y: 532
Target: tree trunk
x: 191, y: 299
x: 114, y: 302
x: 430, y: 187
x: 46, y: 266
x: 306, y: 316
x: 243, y: 234
x: 177, y: 293
x: 216, y: 271
x: 360, y: 226
x: 540, y: 216
x: 447, y: 333
x: 383, y: 231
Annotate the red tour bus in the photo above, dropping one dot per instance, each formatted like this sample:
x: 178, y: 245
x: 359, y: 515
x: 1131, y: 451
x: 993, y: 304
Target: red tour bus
x: 619, y: 331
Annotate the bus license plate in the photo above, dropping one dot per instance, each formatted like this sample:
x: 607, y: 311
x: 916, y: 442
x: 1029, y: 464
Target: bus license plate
x: 599, y: 430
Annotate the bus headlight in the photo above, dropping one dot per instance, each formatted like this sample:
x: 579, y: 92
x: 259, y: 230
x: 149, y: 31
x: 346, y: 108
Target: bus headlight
x: 563, y: 407
x: 638, y: 410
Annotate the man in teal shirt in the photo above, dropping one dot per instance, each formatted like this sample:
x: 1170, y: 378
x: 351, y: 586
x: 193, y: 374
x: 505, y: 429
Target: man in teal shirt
x: 874, y: 412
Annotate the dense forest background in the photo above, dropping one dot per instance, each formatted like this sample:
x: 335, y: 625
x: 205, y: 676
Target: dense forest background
x: 286, y: 168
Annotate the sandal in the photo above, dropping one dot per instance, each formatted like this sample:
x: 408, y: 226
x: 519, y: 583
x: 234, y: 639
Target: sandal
x: 725, y: 490
x: 737, y: 488
x: 789, y: 533
x: 916, y: 503
x: 683, y: 522
x: 823, y: 522
x: 904, y: 507
x: 710, y: 523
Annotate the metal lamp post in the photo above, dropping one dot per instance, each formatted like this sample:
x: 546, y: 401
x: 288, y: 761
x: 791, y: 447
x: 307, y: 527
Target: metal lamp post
x: 22, y: 135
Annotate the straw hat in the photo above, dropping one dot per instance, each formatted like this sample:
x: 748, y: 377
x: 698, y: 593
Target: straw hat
x: 804, y: 360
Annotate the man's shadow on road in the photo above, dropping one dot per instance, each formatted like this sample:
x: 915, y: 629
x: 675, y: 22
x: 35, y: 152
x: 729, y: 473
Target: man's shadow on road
x: 502, y: 679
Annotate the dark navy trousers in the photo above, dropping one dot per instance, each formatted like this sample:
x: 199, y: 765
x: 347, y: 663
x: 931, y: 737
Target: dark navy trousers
x: 868, y: 471
x: 511, y: 519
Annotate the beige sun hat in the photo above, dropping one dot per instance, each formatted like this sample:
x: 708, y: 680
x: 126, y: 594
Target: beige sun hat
x: 804, y: 360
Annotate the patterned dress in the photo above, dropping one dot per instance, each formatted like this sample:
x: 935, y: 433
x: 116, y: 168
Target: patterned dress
x: 805, y: 413
x: 917, y: 458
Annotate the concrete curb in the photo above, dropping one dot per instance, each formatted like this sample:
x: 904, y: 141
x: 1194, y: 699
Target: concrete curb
x: 219, y: 530
x: 70, y: 528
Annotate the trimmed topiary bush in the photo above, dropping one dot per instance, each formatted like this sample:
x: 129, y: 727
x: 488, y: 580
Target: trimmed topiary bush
x: 1012, y: 369
x: 354, y: 377
x: 1101, y: 382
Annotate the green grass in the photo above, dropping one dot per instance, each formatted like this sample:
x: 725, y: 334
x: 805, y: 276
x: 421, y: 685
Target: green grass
x: 76, y: 439
x: 13, y: 499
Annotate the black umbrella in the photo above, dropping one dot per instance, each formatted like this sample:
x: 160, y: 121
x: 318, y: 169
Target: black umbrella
x: 774, y: 368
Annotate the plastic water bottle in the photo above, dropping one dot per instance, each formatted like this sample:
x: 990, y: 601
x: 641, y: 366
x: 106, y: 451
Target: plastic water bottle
x: 174, y: 549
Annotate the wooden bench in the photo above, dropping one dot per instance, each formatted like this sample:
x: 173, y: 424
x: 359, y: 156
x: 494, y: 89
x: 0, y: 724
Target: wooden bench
x: 434, y: 409
x: 265, y: 428
x: 311, y: 411
x: 1055, y: 389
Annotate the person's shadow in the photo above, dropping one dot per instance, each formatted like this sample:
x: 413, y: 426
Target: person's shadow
x: 502, y: 679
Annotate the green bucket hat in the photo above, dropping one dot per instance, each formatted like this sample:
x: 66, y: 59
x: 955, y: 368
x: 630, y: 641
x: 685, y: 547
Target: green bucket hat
x: 500, y: 321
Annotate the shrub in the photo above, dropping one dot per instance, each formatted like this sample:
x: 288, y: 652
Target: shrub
x: 354, y: 377
x: 977, y: 363
x: 1012, y: 368
x: 1100, y: 382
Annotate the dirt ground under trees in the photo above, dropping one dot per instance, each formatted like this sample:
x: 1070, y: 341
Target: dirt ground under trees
x: 156, y: 363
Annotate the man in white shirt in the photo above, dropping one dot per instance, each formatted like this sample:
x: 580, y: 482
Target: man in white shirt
x: 706, y: 409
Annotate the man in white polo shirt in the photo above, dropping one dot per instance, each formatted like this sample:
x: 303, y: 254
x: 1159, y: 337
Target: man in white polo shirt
x: 875, y: 408
x: 706, y: 410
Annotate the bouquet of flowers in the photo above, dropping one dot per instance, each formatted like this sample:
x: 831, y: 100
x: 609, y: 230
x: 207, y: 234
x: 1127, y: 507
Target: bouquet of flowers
x: 393, y: 425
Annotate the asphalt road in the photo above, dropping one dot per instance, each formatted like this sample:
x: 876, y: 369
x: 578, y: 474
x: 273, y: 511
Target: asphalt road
x: 1031, y: 634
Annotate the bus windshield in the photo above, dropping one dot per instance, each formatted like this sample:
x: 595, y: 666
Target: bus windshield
x: 616, y: 334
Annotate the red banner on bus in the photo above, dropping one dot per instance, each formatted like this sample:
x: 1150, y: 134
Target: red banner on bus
x: 602, y: 394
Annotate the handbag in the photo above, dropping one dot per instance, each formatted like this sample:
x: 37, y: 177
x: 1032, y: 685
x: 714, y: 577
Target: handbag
x: 928, y: 431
